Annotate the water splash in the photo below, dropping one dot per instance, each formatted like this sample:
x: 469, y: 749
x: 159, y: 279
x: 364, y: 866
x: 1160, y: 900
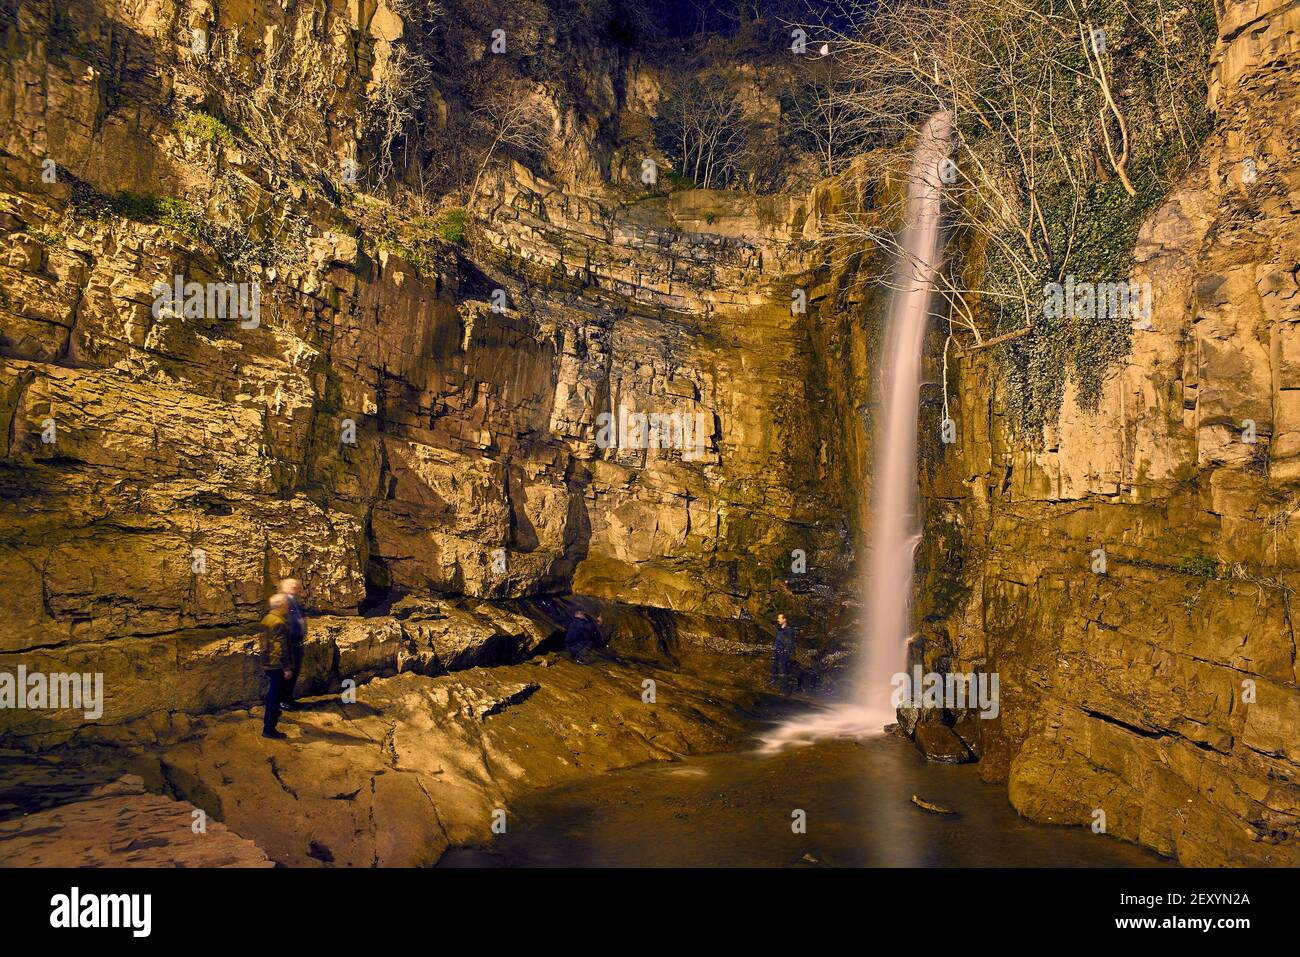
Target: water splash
x: 887, y: 581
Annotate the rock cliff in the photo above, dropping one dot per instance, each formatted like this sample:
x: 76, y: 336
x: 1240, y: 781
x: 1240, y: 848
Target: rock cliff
x: 413, y: 427
x: 1162, y: 692
x: 411, y: 413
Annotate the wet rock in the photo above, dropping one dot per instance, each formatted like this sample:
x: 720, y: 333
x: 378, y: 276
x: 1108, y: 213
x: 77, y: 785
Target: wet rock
x: 930, y: 806
x: 418, y: 764
x: 967, y: 728
x: 938, y: 742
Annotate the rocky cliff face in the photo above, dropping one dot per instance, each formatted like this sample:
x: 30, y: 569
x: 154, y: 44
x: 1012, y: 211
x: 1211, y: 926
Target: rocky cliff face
x: 406, y: 416
x: 1162, y: 692
x: 412, y: 428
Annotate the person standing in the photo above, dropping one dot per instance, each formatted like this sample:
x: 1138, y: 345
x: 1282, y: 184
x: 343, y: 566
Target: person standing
x: 275, y: 653
x: 291, y: 588
x: 782, y: 649
x: 580, y: 638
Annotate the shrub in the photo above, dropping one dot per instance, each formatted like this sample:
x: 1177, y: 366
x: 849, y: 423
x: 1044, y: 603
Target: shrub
x: 89, y: 203
x: 450, y: 226
x: 49, y: 238
x: 1200, y: 566
x: 205, y: 128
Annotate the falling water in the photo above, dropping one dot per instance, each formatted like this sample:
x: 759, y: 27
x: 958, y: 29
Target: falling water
x: 887, y: 582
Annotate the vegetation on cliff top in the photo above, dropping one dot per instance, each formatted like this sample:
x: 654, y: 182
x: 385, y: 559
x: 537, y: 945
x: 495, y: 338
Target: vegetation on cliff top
x: 1071, y: 120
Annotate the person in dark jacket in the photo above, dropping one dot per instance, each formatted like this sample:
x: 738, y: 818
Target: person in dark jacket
x: 581, y: 637
x: 291, y: 588
x: 275, y: 652
x: 782, y: 649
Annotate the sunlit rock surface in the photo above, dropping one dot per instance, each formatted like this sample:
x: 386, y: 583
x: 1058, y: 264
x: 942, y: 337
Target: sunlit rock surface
x: 382, y: 433
x: 475, y: 430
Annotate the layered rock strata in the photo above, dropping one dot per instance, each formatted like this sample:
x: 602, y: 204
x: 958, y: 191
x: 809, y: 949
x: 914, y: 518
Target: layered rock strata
x: 1163, y: 692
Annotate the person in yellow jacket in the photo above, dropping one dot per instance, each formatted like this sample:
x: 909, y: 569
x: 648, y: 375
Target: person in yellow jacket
x: 275, y: 652
x: 293, y: 614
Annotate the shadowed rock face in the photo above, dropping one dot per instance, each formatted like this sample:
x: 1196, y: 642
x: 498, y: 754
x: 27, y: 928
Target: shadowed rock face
x: 1163, y: 692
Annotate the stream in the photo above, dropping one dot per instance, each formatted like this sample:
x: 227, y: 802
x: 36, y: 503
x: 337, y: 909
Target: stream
x: 735, y: 810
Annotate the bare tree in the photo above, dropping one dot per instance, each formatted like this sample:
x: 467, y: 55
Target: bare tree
x: 393, y: 102
x: 822, y: 114
x: 1066, y: 114
x: 277, y: 100
x: 703, y: 129
x: 510, y: 118
x: 274, y: 100
x: 1031, y: 86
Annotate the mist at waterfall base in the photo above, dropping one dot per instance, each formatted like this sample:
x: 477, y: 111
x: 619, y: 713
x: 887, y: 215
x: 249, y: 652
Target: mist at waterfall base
x: 887, y: 580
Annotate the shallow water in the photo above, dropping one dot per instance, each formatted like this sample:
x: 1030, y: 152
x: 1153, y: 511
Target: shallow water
x: 735, y: 810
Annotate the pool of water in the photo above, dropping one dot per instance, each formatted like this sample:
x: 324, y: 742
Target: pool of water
x: 738, y: 810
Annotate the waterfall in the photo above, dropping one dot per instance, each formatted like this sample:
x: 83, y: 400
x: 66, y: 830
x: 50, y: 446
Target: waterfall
x: 887, y: 576
x: 888, y: 584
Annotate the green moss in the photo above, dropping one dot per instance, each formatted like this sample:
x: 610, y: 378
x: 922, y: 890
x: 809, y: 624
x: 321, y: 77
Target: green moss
x: 946, y: 559
x: 1199, y: 566
x: 450, y: 226
x: 163, y: 211
x: 418, y: 240
x: 88, y: 203
x: 205, y: 128
x: 50, y: 238
x: 422, y: 262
